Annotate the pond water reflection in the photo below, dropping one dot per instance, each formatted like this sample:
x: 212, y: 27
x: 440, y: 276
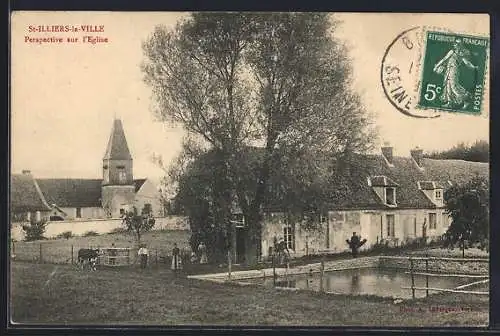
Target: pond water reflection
x: 371, y: 281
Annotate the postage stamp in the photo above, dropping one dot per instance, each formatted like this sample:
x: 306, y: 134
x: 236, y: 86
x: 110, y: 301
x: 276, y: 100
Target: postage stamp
x: 453, y: 72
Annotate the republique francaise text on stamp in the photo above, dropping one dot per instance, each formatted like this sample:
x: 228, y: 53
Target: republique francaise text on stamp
x: 453, y: 72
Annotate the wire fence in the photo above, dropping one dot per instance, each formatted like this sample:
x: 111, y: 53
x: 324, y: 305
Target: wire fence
x: 53, y: 252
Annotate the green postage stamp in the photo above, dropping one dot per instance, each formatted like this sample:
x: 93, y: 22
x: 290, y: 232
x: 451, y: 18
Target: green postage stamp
x: 453, y: 72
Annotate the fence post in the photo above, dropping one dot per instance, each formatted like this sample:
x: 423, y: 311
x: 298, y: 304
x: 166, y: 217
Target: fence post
x: 72, y: 253
x: 229, y: 263
x: 156, y: 257
x: 41, y: 257
x: 322, y: 273
x: 412, y: 279
x: 427, y: 275
x: 274, y: 271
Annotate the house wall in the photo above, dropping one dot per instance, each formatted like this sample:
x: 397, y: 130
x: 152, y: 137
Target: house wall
x: 86, y: 213
x: 117, y: 197
x: 370, y: 225
x: 149, y: 194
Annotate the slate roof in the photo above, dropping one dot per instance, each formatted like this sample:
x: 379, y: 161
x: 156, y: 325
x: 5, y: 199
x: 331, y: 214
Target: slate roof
x: 117, y: 148
x: 406, y: 174
x: 66, y: 193
x: 73, y: 193
x: 138, y: 184
x: 25, y: 195
x: 352, y: 191
x: 382, y: 181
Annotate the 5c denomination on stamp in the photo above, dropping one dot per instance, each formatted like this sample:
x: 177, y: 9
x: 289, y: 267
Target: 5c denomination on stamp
x: 453, y: 72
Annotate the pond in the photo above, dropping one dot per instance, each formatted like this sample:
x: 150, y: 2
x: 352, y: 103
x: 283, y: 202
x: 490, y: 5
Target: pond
x: 370, y: 281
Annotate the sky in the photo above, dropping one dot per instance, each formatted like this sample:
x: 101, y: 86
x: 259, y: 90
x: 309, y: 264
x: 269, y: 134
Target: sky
x: 64, y: 96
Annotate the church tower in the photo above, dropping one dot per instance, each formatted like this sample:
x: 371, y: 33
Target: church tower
x: 118, y: 190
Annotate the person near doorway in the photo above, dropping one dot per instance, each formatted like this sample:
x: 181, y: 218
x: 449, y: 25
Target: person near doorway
x: 143, y: 254
x: 202, y: 250
x: 283, y: 252
x: 176, y: 258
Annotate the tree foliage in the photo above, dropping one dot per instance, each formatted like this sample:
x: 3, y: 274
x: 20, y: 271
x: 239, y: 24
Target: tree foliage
x: 138, y: 223
x: 479, y: 151
x: 35, y: 229
x: 278, y: 81
x: 468, y: 206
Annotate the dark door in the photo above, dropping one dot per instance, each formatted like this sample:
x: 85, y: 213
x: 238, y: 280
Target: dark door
x: 240, y: 245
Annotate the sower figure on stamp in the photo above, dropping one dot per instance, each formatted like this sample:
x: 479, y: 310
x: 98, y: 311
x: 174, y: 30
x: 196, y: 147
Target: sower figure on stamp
x: 453, y: 92
x: 355, y: 243
x: 176, y: 258
x: 143, y: 254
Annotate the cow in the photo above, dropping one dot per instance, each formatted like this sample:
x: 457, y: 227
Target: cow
x: 88, y: 257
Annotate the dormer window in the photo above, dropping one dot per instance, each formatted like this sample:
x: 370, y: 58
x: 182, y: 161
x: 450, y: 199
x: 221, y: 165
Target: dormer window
x: 390, y: 196
x: 438, y: 193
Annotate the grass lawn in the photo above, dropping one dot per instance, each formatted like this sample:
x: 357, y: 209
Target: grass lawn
x: 59, y: 250
x: 59, y: 294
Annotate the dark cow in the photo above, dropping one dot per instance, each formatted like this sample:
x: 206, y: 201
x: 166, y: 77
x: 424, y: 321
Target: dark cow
x: 88, y: 257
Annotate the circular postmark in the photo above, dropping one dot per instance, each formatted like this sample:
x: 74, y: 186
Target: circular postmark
x: 399, y: 73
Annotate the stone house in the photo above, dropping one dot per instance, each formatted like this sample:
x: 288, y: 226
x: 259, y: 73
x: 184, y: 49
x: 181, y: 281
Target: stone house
x: 395, y: 200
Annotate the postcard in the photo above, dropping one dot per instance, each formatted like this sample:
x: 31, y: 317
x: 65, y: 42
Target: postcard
x: 249, y: 169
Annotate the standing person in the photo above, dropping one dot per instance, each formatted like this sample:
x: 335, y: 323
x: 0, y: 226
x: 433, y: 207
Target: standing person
x: 143, y: 255
x: 202, y: 250
x: 176, y: 258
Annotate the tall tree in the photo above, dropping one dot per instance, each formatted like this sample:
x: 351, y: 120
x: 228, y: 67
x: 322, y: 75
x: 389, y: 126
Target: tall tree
x: 280, y: 81
x: 468, y: 206
x: 479, y: 151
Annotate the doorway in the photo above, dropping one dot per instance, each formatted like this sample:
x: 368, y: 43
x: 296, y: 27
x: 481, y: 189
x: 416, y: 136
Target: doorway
x: 240, y: 245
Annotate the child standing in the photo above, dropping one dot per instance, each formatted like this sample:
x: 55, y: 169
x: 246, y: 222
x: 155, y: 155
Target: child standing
x: 176, y: 258
x: 143, y: 255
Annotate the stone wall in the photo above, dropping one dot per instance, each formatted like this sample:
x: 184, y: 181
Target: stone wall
x: 79, y: 227
x: 436, y: 266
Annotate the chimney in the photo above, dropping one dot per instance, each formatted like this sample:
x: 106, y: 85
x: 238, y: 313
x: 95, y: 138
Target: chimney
x: 26, y: 172
x: 417, y: 155
x: 387, y: 152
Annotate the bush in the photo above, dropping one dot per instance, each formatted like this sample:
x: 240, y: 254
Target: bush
x: 34, y: 230
x: 90, y: 234
x: 118, y: 230
x: 65, y: 235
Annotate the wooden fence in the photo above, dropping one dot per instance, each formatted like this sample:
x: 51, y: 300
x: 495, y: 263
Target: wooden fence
x: 68, y: 254
x: 428, y: 274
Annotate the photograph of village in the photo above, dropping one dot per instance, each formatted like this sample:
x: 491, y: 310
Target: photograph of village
x: 242, y: 169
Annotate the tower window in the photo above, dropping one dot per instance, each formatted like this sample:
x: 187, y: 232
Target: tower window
x: 122, y: 176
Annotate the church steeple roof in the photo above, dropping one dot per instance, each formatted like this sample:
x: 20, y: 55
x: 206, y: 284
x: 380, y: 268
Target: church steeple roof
x: 117, y: 145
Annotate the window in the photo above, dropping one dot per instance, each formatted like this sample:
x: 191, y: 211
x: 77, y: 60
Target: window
x: 390, y: 226
x: 415, y: 226
x: 439, y: 194
x: 432, y: 221
x: 78, y: 212
x: 288, y: 236
x: 390, y: 196
x: 445, y: 220
x: 122, y: 176
x: 122, y: 212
